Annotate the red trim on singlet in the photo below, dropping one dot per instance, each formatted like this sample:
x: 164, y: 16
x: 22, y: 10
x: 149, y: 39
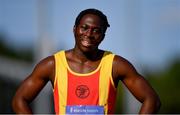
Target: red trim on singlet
x: 111, y: 98
x: 56, y: 99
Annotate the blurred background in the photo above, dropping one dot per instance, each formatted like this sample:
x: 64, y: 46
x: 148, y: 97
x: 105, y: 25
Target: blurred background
x: 146, y: 32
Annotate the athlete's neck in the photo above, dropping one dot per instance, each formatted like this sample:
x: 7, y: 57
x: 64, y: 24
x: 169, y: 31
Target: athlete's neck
x: 87, y: 56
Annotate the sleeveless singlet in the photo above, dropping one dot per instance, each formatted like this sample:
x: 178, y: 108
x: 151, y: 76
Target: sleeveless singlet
x: 92, y: 92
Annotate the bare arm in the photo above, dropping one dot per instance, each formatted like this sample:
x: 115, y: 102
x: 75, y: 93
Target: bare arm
x: 32, y: 85
x: 137, y: 85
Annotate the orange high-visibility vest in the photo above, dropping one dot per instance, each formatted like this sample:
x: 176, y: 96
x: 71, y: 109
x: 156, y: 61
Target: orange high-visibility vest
x: 94, y: 88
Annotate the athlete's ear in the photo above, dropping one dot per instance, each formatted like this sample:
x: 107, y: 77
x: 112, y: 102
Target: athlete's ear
x: 74, y: 29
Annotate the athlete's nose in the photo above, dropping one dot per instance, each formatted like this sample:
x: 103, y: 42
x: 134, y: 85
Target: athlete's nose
x: 89, y: 33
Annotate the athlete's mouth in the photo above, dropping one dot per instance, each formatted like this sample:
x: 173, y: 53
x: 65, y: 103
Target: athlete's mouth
x: 86, y: 43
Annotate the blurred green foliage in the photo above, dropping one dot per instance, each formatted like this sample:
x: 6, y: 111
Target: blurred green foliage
x: 8, y: 89
x: 167, y: 85
x: 26, y: 55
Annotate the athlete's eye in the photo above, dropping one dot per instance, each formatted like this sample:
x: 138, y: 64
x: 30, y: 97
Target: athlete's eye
x: 96, y: 30
x: 84, y: 27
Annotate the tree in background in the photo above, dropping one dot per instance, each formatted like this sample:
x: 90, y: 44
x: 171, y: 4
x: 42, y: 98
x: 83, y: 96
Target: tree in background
x: 167, y: 85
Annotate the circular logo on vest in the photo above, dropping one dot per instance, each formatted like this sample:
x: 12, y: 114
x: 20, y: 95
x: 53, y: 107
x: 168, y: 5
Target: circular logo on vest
x: 82, y: 91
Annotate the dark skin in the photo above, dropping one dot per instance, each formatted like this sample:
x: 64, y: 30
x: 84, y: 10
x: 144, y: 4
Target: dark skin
x: 84, y: 58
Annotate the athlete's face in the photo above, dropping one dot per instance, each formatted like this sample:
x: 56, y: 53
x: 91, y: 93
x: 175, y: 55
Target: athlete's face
x: 89, y: 33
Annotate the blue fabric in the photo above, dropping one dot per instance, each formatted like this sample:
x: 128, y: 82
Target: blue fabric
x: 83, y: 109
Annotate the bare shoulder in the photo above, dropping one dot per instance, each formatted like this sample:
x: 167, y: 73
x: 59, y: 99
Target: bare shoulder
x: 122, y: 63
x: 120, y: 60
x: 47, y: 62
x: 122, y: 67
x: 45, y: 68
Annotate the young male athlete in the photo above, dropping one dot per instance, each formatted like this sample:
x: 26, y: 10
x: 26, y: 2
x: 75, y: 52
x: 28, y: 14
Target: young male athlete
x: 85, y: 78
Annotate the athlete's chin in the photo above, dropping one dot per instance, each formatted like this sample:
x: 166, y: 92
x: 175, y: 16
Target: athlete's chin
x: 88, y: 49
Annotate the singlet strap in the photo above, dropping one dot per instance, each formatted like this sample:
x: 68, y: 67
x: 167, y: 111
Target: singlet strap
x: 105, y: 79
x: 60, y: 81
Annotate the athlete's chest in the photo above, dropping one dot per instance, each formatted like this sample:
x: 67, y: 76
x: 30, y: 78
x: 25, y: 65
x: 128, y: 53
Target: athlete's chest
x: 83, y: 88
x: 83, y: 67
